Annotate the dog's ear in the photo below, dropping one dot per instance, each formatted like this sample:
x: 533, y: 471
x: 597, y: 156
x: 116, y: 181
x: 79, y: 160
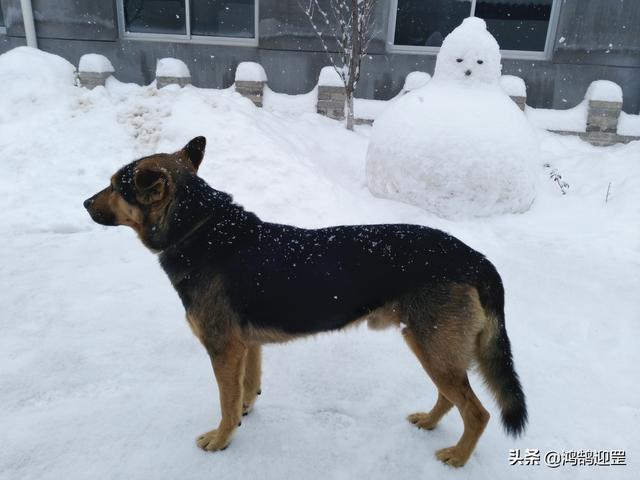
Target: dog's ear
x: 151, y: 184
x: 194, y: 151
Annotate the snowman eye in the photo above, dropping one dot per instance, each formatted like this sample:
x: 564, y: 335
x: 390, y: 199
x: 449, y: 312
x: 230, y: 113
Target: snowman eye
x: 459, y: 60
x: 480, y: 62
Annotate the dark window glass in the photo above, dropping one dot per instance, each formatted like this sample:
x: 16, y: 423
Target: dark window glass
x: 517, y: 24
x: 155, y: 16
x: 427, y: 22
x: 223, y: 18
x: 1, y: 17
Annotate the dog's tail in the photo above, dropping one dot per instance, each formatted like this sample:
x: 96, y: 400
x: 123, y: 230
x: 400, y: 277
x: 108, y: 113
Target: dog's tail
x: 494, y: 354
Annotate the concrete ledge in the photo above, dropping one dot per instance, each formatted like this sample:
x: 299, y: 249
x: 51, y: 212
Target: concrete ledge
x: 598, y: 138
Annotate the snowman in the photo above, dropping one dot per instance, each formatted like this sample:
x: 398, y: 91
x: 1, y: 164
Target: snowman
x: 459, y: 146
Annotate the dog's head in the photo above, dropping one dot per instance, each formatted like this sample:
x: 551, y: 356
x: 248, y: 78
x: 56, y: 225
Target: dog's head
x: 141, y: 194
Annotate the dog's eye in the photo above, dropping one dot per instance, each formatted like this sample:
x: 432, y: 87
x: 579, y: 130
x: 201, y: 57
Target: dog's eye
x: 459, y: 60
x: 480, y: 62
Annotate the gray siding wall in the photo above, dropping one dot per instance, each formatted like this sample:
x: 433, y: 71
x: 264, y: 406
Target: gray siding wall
x: 596, y: 39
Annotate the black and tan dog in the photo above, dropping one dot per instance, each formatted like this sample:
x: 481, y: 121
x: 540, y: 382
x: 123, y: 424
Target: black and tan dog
x: 244, y: 282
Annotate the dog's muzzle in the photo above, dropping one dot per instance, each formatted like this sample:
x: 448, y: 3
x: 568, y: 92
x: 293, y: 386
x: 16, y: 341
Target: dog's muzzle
x: 97, y: 214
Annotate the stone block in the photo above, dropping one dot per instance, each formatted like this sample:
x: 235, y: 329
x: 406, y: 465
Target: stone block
x: 164, y: 81
x: 253, y: 90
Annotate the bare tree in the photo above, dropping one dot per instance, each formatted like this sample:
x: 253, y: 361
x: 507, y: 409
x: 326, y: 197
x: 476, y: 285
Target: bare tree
x: 350, y: 23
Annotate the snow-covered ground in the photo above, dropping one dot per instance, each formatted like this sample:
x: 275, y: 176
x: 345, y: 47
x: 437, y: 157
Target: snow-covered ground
x: 100, y: 377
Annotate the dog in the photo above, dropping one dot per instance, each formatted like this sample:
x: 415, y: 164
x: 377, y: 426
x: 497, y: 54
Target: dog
x: 245, y: 282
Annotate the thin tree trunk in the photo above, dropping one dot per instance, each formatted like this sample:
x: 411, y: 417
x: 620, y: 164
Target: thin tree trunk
x: 350, y: 111
x: 354, y: 64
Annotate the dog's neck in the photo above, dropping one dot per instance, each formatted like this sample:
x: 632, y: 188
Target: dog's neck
x: 206, y: 225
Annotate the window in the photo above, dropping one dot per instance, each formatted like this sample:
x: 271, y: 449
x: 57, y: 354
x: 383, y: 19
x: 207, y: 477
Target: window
x: 2, y: 26
x: 214, y: 21
x: 523, y: 28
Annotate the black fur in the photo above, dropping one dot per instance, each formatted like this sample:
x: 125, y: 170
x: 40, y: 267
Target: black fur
x: 301, y: 280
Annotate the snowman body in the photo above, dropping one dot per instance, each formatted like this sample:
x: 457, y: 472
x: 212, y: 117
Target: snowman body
x: 459, y: 146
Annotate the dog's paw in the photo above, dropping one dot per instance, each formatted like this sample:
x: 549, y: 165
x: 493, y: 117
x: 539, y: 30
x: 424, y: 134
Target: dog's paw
x: 213, y: 441
x: 423, y: 420
x: 451, y: 456
x: 248, y: 401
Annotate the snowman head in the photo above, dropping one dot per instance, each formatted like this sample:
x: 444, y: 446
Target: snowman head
x: 469, y: 55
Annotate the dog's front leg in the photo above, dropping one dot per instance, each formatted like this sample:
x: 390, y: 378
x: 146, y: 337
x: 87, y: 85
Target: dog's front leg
x: 228, y: 365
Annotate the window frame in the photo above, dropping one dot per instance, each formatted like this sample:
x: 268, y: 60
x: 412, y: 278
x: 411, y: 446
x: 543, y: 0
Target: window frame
x: 512, y: 54
x: 3, y: 28
x: 187, y: 37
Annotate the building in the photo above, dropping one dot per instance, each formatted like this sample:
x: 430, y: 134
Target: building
x: 557, y: 46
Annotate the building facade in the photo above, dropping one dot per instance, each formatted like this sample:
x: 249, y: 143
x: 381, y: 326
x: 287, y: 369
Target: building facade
x: 557, y: 46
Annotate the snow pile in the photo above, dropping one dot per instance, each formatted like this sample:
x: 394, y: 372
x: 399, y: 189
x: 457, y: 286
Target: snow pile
x: 292, y: 104
x: 459, y: 146
x: 329, y: 78
x: 368, y: 109
x: 93, y: 62
x: 513, y: 86
x: 415, y: 80
x: 569, y: 120
x: 172, y: 67
x: 629, y: 124
x: 250, y: 72
x: 31, y: 80
x: 604, y: 91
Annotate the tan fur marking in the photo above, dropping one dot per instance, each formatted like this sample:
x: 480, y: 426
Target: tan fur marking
x: 195, y: 327
x: 384, y: 317
x: 252, y: 374
x: 125, y: 213
x: 228, y: 366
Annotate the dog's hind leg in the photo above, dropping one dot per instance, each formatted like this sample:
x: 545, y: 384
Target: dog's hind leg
x: 453, y: 385
x: 252, y: 373
x: 228, y: 365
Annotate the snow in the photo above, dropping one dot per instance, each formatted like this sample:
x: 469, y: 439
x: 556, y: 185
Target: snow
x: 93, y: 62
x: 629, y: 124
x: 31, y: 77
x: 415, y: 80
x: 513, y: 86
x: 569, y: 120
x: 250, y: 72
x: 369, y: 109
x: 604, y: 91
x: 172, y: 67
x: 329, y: 78
x: 459, y: 146
x: 292, y: 104
x: 101, y: 377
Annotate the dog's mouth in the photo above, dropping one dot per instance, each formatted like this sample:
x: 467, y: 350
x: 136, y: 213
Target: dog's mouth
x: 103, y: 218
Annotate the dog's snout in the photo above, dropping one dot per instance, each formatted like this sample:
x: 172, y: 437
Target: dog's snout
x: 88, y: 202
x: 467, y: 73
